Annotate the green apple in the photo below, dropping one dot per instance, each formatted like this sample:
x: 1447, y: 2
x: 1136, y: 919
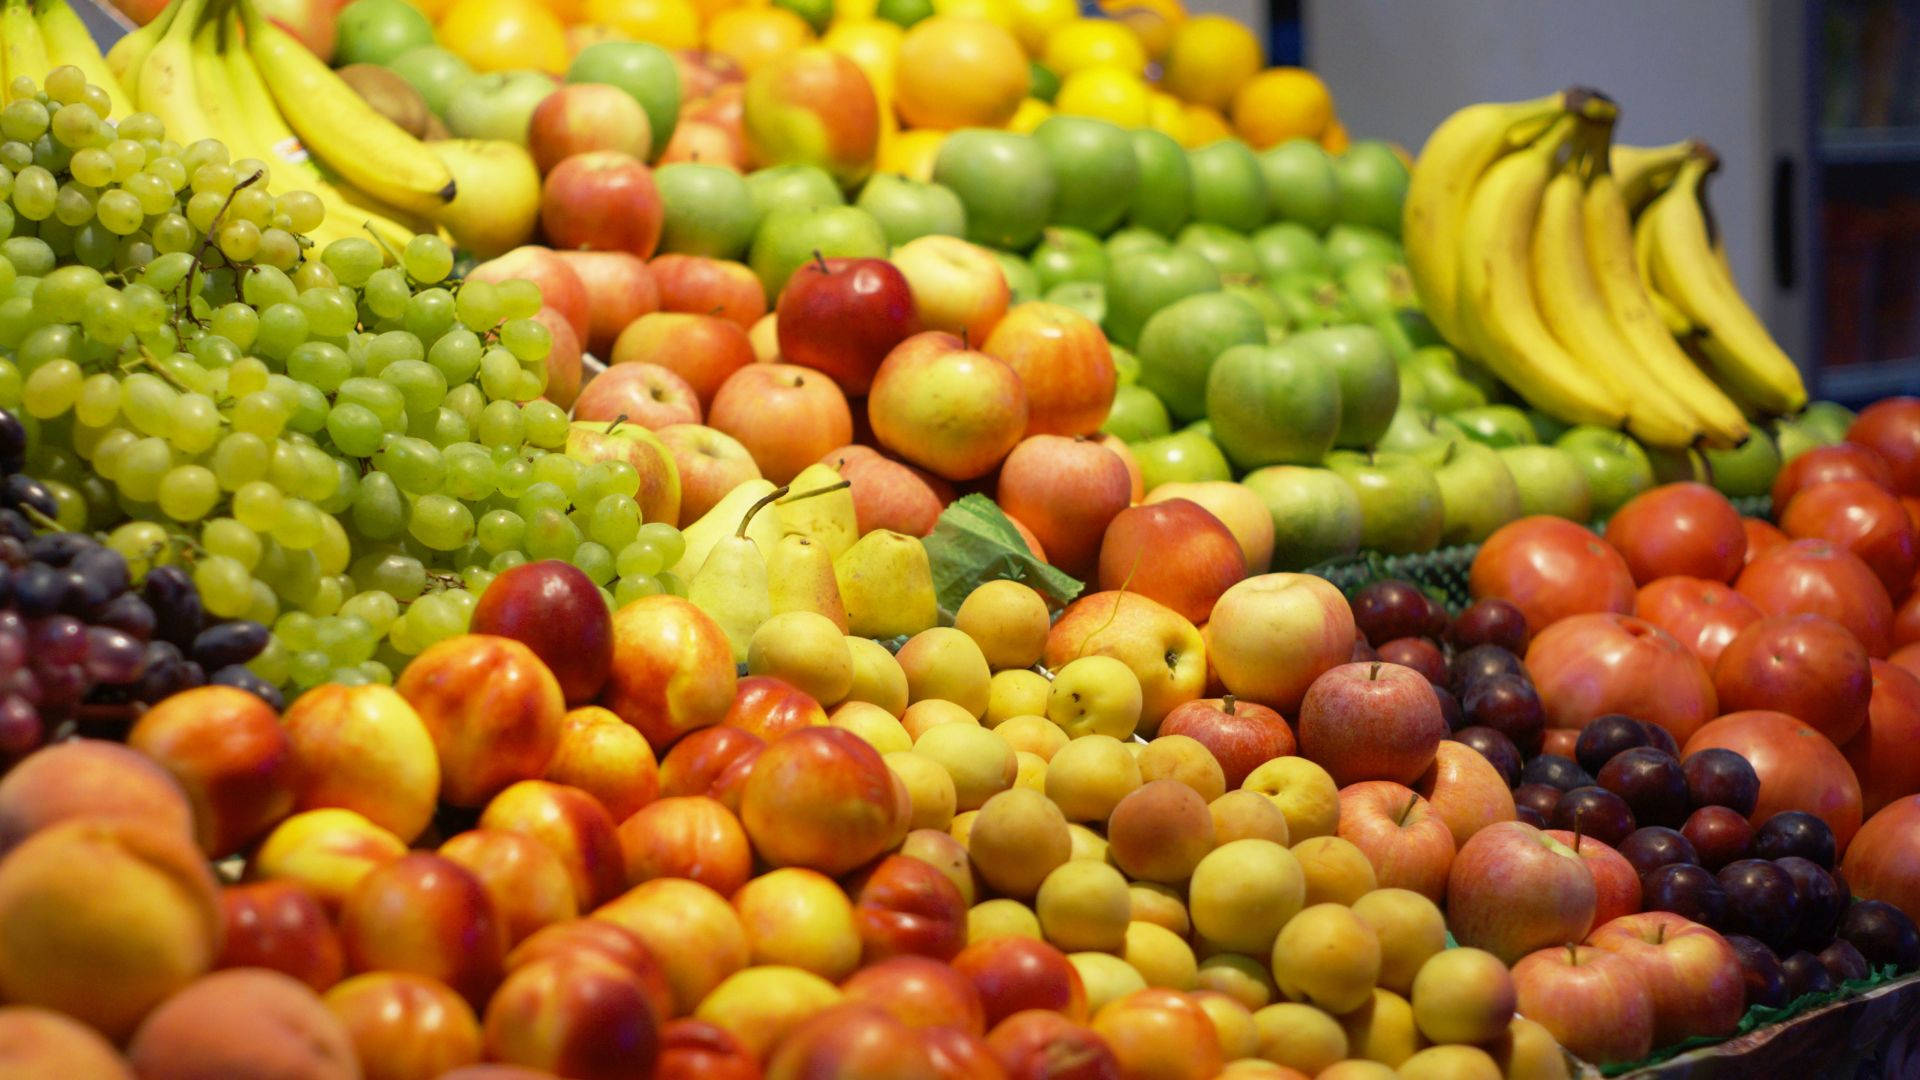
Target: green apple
x: 1550, y: 482
x: 1180, y: 341
x: 1184, y: 456
x: 1829, y: 419
x: 1418, y: 433
x: 1311, y: 301
x: 1089, y: 298
x: 1478, y: 492
x: 1546, y: 428
x: 1044, y: 84
x: 1615, y: 466
x: 1022, y: 285
x: 1349, y: 244
x: 1748, y: 469
x: 1272, y: 312
x: 792, y: 187
x: 903, y: 13
x: 788, y: 238
x: 1495, y: 425
x: 1378, y: 289
x: 1230, y: 252
x: 1287, y: 247
x: 1064, y: 254
x: 376, y: 31
x: 1401, y: 512
x: 708, y: 210
x: 1136, y: 415
x: 1794, y: 438
x: 1163, y: 191
x: 1126, y: 366
x: 1003, y: 179
x: 1673, y: 465
x: 433, y: 71
x: 1372, y: 184
x: 1437, y: 369
x: 1142, y: 284
x: 1227, y: 186
x: 642, y: 69
x: 1301, y: 186
x: 1369, y: 381
x: 1132, y: 241
x: 1273, y: 404
x: 498, y: 105
x: 1316, y: 514
x: 1204, y: 426
x: 907, y: 208
x: 1094, y: 168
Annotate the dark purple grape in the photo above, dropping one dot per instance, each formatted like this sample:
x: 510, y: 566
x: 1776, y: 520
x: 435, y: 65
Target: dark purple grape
x: 1662, y: 739
x: 228, y: 643
x: 21, y: 490
x: 21, y: 730
x: 13, y: 442
x: 1805, y: 974
x: 1795, y: 832
x: 85, y: 595
x: 13, y: 550
x: 192, y: 675
x: 1766, y: 984
x: 1527, y: 815
x: 14, y: 526
x: 62, y: 686
x: 1391, y: 609
x: 1555, y: 771
x: 238, y: 676
x: 106, y: 568
x: 1883, y: 934
x: 160, y: 672
x: 1491, y: 621
x: 58, y: 639
x: 177, y: 613
x: 114, y: 656
x: 39, y: 589
x: 1483, y: 662
x: 1606, y: 737
x: 1542, y: 799
x: 58, y: 548
x: 128, y: 614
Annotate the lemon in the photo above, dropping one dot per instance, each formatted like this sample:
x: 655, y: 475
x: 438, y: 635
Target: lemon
x: 872, y: 44
x: 956, y: 72
x: 1029, y: 115
x: 910, y: 153
x: 1282, y: 103
x: 1167, y: 114
x: 1208, y: 59
x: 1033, y: 20
x: 1085, y: 43
x: 1152, y: 21
x: 1109, y: 93
x: 1205, y: 126
x: 997, y: 12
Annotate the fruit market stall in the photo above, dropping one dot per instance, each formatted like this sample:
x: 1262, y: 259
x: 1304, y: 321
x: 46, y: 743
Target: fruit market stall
x: 655, y: 539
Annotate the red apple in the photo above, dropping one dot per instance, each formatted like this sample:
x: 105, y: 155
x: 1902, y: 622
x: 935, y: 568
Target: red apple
x: 843, y: 316
x: 1068, y: 491
x: 711, y: 463
x: 788, y: 417
x: 602, y: 199
x: 620, y: 289
x: 560, y: 287
x: 888, y: 494
x: 813, y: 106
x: 1271, y: 636
x: 1616, y: 884
x: 1513, y: 889
x: 1063, y: 360
x: 703, y: 72
x: 1881, y: 753
x: 705, y: 286
x: 673, y: 669
x: 1465, y: 790
x: 1602, y: 662
x: 564, y: 367
x: 958, y: 286
x: 948, y: 408
x: 1592, y: 1001
x: 1408, y: 845
x: 1237, y: 507
x: 583, y: 117
x: 553, y: 609
x: 702, y: 349
x: 589, y: 441
x: 1692, y: 975
x: 1862, y: 517
x: 313, y: 22
x: 648, y: 395
x: 1371, y: 721
x: 1891, y: 428
x: 1700, y: 614
x: 1173, y: 551
x: 1241, y: 735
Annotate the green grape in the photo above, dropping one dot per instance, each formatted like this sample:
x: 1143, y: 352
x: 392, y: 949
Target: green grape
x: 591, y: 482
x: 477, y: 579
x: 252, y: 205
x: 31, y: 256
x: 119, y: 212
x: 313, y: 274
x: 427, y: 258
x: 66, y: 289
x: 379, y: 510
x: 446, y: 427
x: 463, y: 601
x: 150, y: 310
x: 261, y: 413
x: 188, y: 492
x: 545, y: 423
x: 150, y: 191
x: 52, y: 389
x: 148, y: 403
x: 629, y: 589
x: 99, y: 400
x: 416, y: 465
x: 529, y: 341
x: 330, y: 311
x: 640, y: 558
x: 214, y: 178
x: 240, y: 459
x: 334, y: 549
x: 397, y: 574
x: 595, y: 561
x: 296, y: 630
x: 236, y: 322
x: 344, y: 638
x: 470, y: 472
x: 173, y: 234
x: 69, y: 506
x: 352, y: 259
x: 24, y: 121
x: 421, y: 384
x: 456, y: 354
x: 550, y: 535
x: 92, y: 166
x: 375, y: 609
x: 467, y: 400
x: 282, y: 326
x: 109, y: 449
x: 519, y: 298
x: 139, y: 470
x: 477, y: 305
x: 541, y: 495
x: 271, y: 663
x: 346, y: 486
x: 434, y: 618
x: 354, y: 429
x: 400, y: 639
x: 108, y: 317
x: 387, y: 292
x: 247, y: 376
x: 557, y: 469
x: 499, y: 374
x: 265, y: 286
x: 238, y: 240
x: 500, y: 530
x: 513, y: 477
x: 257, y: 505
x: 672, y: 583
x: 506, y: 561
x: 196, y: 423
x: 377, y: 673
x: 226, y: 536
x: 672, y: 545
x: 615, y: 522
x: 385, y: 401
x: 390, y: 347
x: 263, y: 605
x: 141, y: 543
x: 309, y: 409
x: 225, y: 586
x: 501, y: 425
x: 320, y: 364
x: 429, y: 314
x: 299, y: 525
x: 278, y: 248
x: 309, y: 668
x: 440, y: 522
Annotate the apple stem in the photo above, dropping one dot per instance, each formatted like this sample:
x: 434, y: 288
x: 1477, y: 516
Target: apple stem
x: 842, y: 485
x: 1407, y: 810
x: 1576, y: 834
x: 1373, y: 673
x: 1660, y: 934
x: 964, y: 342
x: 820, y: 261
x: 1573, y: 954
x: 1227, y: 703
x: 617, y: 421
x: 762, y: 503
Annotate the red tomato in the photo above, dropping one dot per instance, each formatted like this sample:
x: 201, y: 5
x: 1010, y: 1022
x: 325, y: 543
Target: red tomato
x: 1884, y: 863
x: 1799, y: 768
x: 1912, y: 504
x: 1806, y: 666
x: 1818, y: 577
x: 1908, y: 657
x: 1824, y: 464
x: 1599, y: 663
x: 1906, y: 619
x: 1761, y: 535
x: 1686, y: 529
x: 1882, y: 753
x: 1551, y: 568
x: 1702, y: 615
x: 1891, y: 428
x: 1862, y: 517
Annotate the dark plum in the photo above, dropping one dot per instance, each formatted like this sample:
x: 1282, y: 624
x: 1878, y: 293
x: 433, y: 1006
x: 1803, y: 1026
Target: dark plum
x: 1419, y: 654
x: 1392, y: 609
x: 1496, y: 748
x: 1662, y: 738
x: 1720, y: 777
x: 1762, y: 900
x: 1449, y: 708
x: 1766, y: 983
x: 1607, y: 736
x: 1882, y: 933
x: 1563, y: 773
x: 1490, y: 620
x: 1595, y: 812
x: 1805, y: 974
x: 1527, y: 815
x: 1507, y: 703
x: 1795, y: 832
x: 1484, y: 662
x: 1363, y: 653
x: 1685, y: 889
x: 1655, y: 846
x: 1843, y: 961
x: 1820, y: 900
x: 1542, y: 799
x: 1651, y: 782
x: 1719, y: 835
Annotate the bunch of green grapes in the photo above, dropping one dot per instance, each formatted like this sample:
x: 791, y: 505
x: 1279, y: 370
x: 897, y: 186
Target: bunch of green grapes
x: 345, y: 444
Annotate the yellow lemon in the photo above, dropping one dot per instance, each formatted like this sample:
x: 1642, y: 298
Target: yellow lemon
x: 1031, y: 112
x: 1205, y: 126
x: 755, y: 36
x: 854, y: 10
x: 670, y: 24
x: 1334, y: 139
x: 1167, y: 114
x: 1282, y: 103
x: 567, y: 11
x: 1087, y: 43
x: 997, y: 12
x: 955, y: 72
x: 1210, y: 56
x: 910, y: 153
x: 872, y: 44
x: 582, y: 34
x: 1033, y: 20
x: 500, y: 35
x: 1110, y: 93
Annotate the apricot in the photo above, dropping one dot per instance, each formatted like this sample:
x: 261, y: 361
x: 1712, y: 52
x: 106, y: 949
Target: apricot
x: 246, y: 1024
x: 88, y: 778
x: 41, y: 1042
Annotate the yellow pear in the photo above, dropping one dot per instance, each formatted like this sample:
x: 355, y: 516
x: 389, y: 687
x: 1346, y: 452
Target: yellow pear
x: 723, y: 520
x: 826, y: 518
x: 800, y: 578
x: 886, y: 581
x: 731, y: 586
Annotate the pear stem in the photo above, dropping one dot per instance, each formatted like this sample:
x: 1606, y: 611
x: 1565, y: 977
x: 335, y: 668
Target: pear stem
x: 617, y: 421
x: 760, y: 504
x: 829, y: 489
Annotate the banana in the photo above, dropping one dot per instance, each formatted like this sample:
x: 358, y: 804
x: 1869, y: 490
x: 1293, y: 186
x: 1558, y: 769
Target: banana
x: 23, y: 53
x: 1497, y: 308
x: 1641, y: 172
x: 164, y: 84
x: 334, y: 121
x: 1573, y: 307
x: 1451, y: 162
x: 127, y: 55
x: 1743, y: 355
x: 1660, y: 360
x: 69, y: 42
x: 1671, y: 317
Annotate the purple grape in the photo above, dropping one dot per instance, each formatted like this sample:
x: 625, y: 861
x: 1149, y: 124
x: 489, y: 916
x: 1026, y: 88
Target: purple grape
x: 13, y: 442
x: 106, y: 567
x: 39, y: 589
x: 14, y: 526
x: 113, y: 656
x: 177, y: 613
x: 128, y: 614
x: 229, y: 643
x: 237, y: 676
x: 59, y: 548
x: 19, y: 490
x: 21, y: 730
x: 62, y: 686
x: 59, y: 640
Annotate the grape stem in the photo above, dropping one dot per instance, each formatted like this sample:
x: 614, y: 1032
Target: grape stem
x: 206, y: 242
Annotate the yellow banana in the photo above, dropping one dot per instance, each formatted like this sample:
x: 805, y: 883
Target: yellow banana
x: 1660, y: 360
x: 1670, y: 317
x: 69, y: 42
x: 23, y: 53
x: 1573, y: 307
x: 336, y: 123
x: 164, y: 83
x: 1497, y: 308
x: 1743, y: 355
x: 127, y: 55
x: 1641, y: 172
x: 1453, y: 160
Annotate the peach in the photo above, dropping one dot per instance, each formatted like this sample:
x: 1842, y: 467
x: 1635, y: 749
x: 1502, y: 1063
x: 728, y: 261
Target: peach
x: 1016, y: 973
x: 102, y: 919
x: 959, y: 1055
x: 228, y: 752
x: 929, y: 786
x: 529, y: 884
x: 327, y: 851
x: 940, y: 850
x: 428, y: 915
x: 280, y: 925
x: 795, y: 917
x: 602, y: 938
x: 1337, y: 871
x: 577, y: 1015
x: 1001, y: 918
x: 496, y: 1072
x: 760, y: 1005
x: 284, y: 1029
x: 1087, y: 777
x: 1107, y: 977
x: 906, y: 906
x: 405, y: 1027
x: 691, y: 929
x: 1183, y: 759
x: 923, y: 716
x: 492, y: 708
x: 1030, y: 733
x: 920, y: 992
x: 1017, y: 841
x: 363, y: 748
x: 1030, y: 1045
x: 1242, y: 893
x: 850, y: 1040
x: 673, y: 669
x: 88, y: 778
x: 877, y: 678
x: 1160, y: 832
x: 1247, y: 815
x: 686, y: 836
x: 695, y: 762
x: 41, y: 1042
x: 1016, y: 692
x: 609, y: 760
x: 696, y: 1050
x: 822, y: 798
x: 570, y: 823
x: 1161, y: 1034
x: 1232, y: 1022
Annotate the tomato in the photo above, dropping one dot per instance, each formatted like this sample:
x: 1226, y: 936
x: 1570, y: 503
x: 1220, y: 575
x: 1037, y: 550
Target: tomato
x: 1806, y: 666
x: 1862, y: 517
x: 1799, y: 768
x: 1884, y: 862
x: 1912, y: 504
x: 1906, y: 619
x: 1824, y: 464
x: 1686, y: 529
x: 1819, y: 577
x: 1908, y: 657
x: 1882, y: 753
x: 1551, y: 568
x: 1702, y: 615
x: 1891, y: 428
x: 1599, y: 663
x: 1761, y: 536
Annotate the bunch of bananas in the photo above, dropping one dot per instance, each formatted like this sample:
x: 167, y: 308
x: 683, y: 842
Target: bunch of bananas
x: 1520, y: 235
x: 34, y: 42
x: 218, y: 69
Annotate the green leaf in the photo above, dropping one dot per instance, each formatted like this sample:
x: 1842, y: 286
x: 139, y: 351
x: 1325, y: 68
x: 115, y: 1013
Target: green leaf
x: 974, y: 543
